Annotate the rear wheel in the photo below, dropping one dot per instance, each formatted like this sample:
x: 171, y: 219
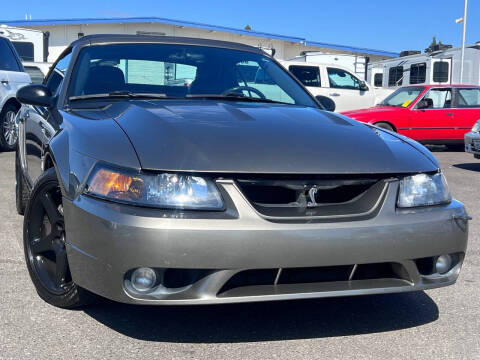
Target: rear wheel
x: 456, y: 147
x: 44, y: 239
x: 8, y: 133
x: 385, y: 126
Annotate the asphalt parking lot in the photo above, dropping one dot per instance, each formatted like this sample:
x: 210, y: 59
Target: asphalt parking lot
x: 441, y: 323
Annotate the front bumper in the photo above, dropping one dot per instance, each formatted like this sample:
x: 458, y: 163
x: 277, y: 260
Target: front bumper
x: 471, y: 141
x: 106, y: 241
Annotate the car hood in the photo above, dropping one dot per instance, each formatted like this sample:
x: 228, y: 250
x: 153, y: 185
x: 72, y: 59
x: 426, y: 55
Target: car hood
x: 241, y: 137
x: 373, y: 112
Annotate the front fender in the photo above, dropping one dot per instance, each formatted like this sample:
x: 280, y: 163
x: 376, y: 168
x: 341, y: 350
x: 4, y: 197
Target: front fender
x: 80, y: 143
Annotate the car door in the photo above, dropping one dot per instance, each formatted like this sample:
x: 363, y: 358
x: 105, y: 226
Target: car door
x: 344, y: 89
x: 40, y: 124
x: 466, y: 108
x: 12, y: 76
x: 436, y: 121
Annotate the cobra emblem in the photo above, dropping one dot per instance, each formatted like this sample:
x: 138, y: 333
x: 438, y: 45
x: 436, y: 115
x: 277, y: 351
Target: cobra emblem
x: 311, y: 193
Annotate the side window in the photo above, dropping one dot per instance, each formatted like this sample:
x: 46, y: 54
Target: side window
x: 378, y: 80
x: 440, y: 71
x: 55, y: 77
x: 418, y: 73
x: 308, y: 75
x: 467, y: 98
x: 35, y: 74
x: 341, y: 79
x: 256, y: 77
x: 8, y: 61
x: 54, y: 81
x: 439, y: 98
x: 395, y: 76
x: 261, y: 77
x: 25, y: 50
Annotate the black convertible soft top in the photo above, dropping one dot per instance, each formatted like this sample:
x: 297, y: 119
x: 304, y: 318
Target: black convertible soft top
x: 120, y: 38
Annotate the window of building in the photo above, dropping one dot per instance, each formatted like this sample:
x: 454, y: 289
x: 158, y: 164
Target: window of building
x: 440, y: 71
x: 418, y: 73
x: 395, y: 76
x: 308, y: 75
x: 378, y: 80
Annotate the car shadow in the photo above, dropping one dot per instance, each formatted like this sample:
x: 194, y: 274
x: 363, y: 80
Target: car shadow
x: 271, y: 321
x: 444, y: 148
x: 469, y: 166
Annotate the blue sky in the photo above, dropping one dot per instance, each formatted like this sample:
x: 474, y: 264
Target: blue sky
x: 385, y: 25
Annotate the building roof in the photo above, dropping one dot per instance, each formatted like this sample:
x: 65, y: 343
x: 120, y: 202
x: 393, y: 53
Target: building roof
x: 126, y: 20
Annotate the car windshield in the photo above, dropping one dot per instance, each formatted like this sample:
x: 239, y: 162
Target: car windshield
x: 166, y: 71
x: 402, y: 97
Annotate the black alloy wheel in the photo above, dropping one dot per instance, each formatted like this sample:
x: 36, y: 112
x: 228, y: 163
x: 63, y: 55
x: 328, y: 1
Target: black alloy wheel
x: 45, y: 245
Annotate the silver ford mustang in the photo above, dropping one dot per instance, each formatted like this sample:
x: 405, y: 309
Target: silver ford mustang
x: 157, y: 170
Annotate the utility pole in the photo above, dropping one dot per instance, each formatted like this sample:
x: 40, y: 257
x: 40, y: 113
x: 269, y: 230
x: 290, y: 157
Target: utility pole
x: 464, y: 20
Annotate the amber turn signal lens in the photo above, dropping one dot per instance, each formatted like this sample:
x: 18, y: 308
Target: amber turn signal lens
x: 107, y: 181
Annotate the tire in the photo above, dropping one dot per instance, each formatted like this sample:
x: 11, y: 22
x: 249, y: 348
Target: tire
x: 456, y: 147
x: 22, y: 193
x: 45, y: 246
x: 8, y: 132
x: 386, y: 126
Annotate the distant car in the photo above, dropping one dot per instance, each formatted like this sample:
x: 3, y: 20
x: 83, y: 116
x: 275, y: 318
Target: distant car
x: 237, y: 188
x: 431, y: 114
x: 472, y: 140
x: 347, y: 91
x: 12, y: 78
x: 36, y: 70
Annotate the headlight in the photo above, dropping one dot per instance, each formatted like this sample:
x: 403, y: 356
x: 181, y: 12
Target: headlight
x: 163, y: 190
x: 476, y: 127
x: 423, y: 190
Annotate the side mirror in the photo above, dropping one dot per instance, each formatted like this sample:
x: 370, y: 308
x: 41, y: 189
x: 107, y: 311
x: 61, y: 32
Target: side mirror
x: 327, y: 103
x: 38, y: 95
x: 363, y: 86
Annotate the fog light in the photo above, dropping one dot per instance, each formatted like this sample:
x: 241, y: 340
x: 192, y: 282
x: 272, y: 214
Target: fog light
x: 443, y: 264
x: 143, y: 279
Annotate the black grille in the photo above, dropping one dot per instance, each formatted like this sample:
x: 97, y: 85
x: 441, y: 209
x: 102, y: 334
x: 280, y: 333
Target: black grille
x: 322, y: 274
x: 313, y: 198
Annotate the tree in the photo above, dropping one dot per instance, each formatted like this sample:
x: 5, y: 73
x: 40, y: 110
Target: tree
x: 434, y: 44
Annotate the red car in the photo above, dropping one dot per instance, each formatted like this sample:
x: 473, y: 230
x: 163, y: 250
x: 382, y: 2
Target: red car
x: 432, y: 114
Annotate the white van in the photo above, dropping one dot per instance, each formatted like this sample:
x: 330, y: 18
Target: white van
x: 12, y: 77
x: 347, y: 90
x: 354, y: 63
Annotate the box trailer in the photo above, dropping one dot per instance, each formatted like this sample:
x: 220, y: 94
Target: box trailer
x: 437, y: 67
x: 31, y: 45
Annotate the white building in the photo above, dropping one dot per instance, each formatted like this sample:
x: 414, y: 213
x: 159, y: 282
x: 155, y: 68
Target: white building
x: 64, y: 31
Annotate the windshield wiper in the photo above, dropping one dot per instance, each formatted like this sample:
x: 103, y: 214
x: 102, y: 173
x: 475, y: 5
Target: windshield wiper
x: 232, y: 97
x: 119, y: 95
